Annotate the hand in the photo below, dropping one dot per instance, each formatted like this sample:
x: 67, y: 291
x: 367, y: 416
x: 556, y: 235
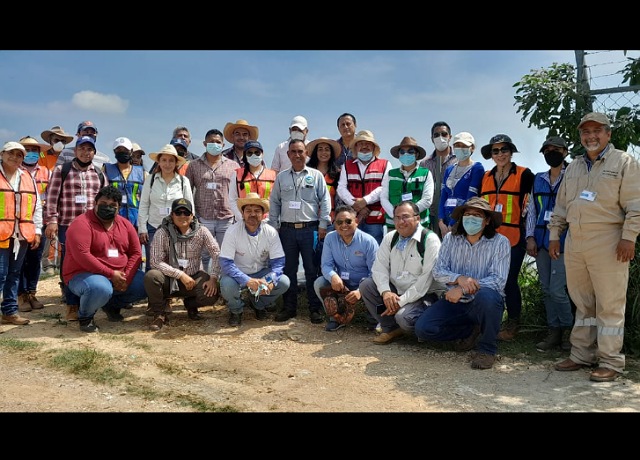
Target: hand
x: 189, y: 283
x: 119, y: 280
x: 359, y: 204
x: 322, y: 232
x: 144, y: 238
x: 353, y: 296
x: 454, y: 295
x: 210, y: 287
x: 554, y: 249
x: 470, y: 285
x: 532, y: 247
x: 35, y: 243
x: 444, y: 229
x: 392, y: 302
x: 336, y: 283
x: 625, y: 250
x: 51, y: 231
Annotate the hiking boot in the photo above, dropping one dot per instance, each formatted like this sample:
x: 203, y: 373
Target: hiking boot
x: 23, y: 303
x: 87, y: 325
x: 235, y: 319
x: 35, y: 303
x: 483, y: 361
x: 113, y: 314
x: 509, y: 330
x: 552, y: 340
x: 388, y: 337
x: 158, y: 322
x: 15, y: 319
x: 193, y: 314
x: 72, y: 313
x: 316, y: 317
x: 565, y: 342
x: 470, y: 342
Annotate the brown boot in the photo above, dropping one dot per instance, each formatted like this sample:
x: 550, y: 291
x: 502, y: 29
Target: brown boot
x: 15, y: 319
x: 551, y: 341
x: 33, y: 300
x: 509, y: 330
x: 72, y: 312
x: 23, y: 303
x: 158, y: 322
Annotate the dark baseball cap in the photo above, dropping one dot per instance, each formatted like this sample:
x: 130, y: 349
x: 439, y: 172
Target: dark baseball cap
x: 253, y: 145
x: 181, y: 203
x: 556, y: 141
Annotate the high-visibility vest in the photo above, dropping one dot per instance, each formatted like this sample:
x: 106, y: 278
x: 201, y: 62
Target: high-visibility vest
x: 41, y: 175
x: 414, y: 184
x: 544, y: 199
x: 360, y: 186
x: 28, y: 199
x: 262, y: 185
x: 131, y: 189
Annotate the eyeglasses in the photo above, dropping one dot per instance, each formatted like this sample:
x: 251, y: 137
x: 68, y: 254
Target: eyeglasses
x: 182, y: 212
x: 404, y: 217
x: 407, y: 152
x: 251, y: 153
x: 500, y: 150
x: 440, y: 134
x: 339, y: 222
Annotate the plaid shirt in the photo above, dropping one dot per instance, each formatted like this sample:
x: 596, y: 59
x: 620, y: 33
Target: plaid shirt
x: 211, y: 184
x: 191, y: 250
x: 77, y: 184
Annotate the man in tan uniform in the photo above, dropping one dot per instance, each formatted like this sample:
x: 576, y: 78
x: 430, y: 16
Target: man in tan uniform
x: 599, y: 202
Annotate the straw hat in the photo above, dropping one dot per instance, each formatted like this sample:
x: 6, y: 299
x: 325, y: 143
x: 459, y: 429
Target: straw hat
x: 335, y: 145
x: 57, y: 130
x: 480, y: 204
x: 229, y: 128
x: 365, y: 135
x: 253, y: 198
x: 168, y: 150
x: 408, y: 142
x: 29, y: 141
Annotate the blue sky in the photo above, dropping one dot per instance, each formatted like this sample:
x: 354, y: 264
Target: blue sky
x: 143, y: 95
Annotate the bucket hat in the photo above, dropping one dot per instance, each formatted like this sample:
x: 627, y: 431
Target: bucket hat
x: 480, y: 204
x: 497, y: 139
x: 409, y: 141
x: 168, y: 150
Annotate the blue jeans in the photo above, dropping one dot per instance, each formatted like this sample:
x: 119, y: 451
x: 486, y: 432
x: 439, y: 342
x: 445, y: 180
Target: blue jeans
x: 231, y: 290
x: 70, y: 297
x: 553, y: 279
x: 512, y: 293
x: 446, y: 321
x: 95, y: 291
x: 10, y: 267
x: 218, y: 228
x: 375, y: 230
x: 31, y: 267
x: 296, y: 243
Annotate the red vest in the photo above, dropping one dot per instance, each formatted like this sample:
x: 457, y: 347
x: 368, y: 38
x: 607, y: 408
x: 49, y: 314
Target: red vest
x: 360, y: 186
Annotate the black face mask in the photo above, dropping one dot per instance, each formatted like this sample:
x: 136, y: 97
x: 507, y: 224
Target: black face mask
x: 123, y: 157
x: 105, y: 212
x: 82, y: 163
x: 554, y: 158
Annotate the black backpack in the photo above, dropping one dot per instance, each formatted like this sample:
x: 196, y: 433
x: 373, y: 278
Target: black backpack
x: 421, y: 243
x: 66, y: 167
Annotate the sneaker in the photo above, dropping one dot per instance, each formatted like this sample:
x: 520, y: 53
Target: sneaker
x: 509, y: 330
x: 483, y: 361
x: 552, y: 340
x: 87, y: 325
x: 14, y: 319
x: 113, y: 314
x: 235, y: 319
x: 23, y: 303
x: 316, y: 317
x: 33, y: 300
x: 284, y: 315
x: 72, y: 313
x: 333, y: 326
x: 158, y: 323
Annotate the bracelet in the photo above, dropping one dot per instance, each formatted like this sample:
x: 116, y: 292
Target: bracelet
x: 462, y: 289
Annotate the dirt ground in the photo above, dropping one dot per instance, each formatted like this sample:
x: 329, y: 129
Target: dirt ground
x: 265, y: 366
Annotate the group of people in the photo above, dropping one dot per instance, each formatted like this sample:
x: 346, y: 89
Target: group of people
x: 432, y: 248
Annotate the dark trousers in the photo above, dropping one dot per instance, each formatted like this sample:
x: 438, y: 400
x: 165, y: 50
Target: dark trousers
x: 513, y: 295
x: 70, y: 297
x: 157, y: 286
x: 31, y: 267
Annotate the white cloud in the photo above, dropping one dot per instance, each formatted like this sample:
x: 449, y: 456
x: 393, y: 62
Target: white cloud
x: 104, y: 103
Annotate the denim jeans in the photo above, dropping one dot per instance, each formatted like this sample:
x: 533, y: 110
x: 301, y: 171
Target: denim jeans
x: 375, y: 230
x: 70, y: 297
x: 218, y: 228
x: 31, y: 267
x: 10, y: 267
x: 553, y: 279
x: 95, y: 291
x: 446, y: 321
x: 231, y: 291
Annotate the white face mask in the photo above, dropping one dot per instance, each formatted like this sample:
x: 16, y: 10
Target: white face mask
x: 254, y: 160
x: 214, y: 148
x: 441, y: 143
x: 296, y: 135
x: 57, y: 147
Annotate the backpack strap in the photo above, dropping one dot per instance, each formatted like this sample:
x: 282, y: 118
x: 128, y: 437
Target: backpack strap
x: 421, y: 243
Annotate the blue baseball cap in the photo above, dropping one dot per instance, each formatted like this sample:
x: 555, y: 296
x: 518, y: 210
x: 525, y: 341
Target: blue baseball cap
x: 179, y: 141
x: 86, y: 124
x: 86, y: 139
x: 253, y: 145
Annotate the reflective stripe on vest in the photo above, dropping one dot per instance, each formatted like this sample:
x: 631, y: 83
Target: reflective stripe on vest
x: 509, y: 197
x: 414, y: 184
x: 361, y: 186
x: 261, y: 185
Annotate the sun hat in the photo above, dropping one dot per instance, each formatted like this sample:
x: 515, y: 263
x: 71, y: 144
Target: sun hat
x: 408, y: 141
x: 597, y: 117
x: 85, y: 125
x: 181, y: 203
x: 86, y: 140
x: 497, y: 139
x: 123, y: 142
x: 480, y: 204
x: 168, y: 150
x: 465, y: 138
x: 335, y: 145
x: 365, y: 135
x: 58, y: 131
x: 229, y: 128
x: 253, y: 145
x: 136, y: 148
x: 556, y: 141
x: 11, y: 145
x: 253, y: 198
x: 28, y: 141
x: 299, y: 121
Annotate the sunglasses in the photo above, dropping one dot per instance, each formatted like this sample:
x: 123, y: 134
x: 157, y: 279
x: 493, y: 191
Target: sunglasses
x: 251, y: 153
x: 407, y: 152
x: 441, y: 134
x: 500, y: 150
x: 339, y: 222
x: 182, y: 212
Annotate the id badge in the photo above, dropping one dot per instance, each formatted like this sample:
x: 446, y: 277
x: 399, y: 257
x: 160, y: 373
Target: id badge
x: 407, y: 197
x: 164, y: 210
x: 451, y: 203
x: 587, y: 195
x: 212, y: 185
x: 81, y: 199
x: 182, y: 263
x: 124, y: 199
x: 547, y: 216
x: 344, y: 275
x: 295, y: 204
x: 112, y: 252
x: 499, y: 207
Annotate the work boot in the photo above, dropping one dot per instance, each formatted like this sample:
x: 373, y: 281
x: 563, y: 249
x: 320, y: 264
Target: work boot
x: 23, y: 303
x: 72, y: 312
x: 158, y: 322
x: 14, y: 319
x: 35, y: 303
x: 194, y: 314
x: 565, y: 341
x: 509, y: 330
x: 552, y: 340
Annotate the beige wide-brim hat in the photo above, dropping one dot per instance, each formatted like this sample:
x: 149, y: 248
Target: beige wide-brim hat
x: 28, y: 141
x: 480, y: 204
x: 365, y: 135
x: 409, y: 142
x: 335, y: 145
x: 253, y: 198
x: 168, y: 150
x: 57, y: 130
x: 137, y: 148
x: 229, y: 128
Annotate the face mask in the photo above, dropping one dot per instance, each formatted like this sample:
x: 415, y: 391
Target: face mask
x: 123, y: 157
x: 407, y: 159
x: 57, y: 147
x: 441, y: 143
x: 296, y: 135
x: 553, y: 158
x: 83, y: 163
x: 214, y: 149
x: 105, y: 212
x: 472, y: 224
x: 462, y: 153
x: 255, y: 160
x: 365, y: 157
x: 31, y: 158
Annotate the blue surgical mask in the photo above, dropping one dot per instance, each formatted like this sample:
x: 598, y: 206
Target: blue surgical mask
x: 214, y: 149
x: 407, y: 159
x: 31, y: 158
x: 472, y: 224
x: 366, y: 157
x: 462, y: 153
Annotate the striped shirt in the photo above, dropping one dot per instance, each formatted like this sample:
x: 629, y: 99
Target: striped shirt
x: 487, y: 260
x: 191, y: 250
x: 211, y: 187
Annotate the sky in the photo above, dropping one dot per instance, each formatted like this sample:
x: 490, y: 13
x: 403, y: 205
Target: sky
x: 144, y: 95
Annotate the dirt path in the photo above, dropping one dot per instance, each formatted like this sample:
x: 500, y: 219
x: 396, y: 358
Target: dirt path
x: 277, y: 367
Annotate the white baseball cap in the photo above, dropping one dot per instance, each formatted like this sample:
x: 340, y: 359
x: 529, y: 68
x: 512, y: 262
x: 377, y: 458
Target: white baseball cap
x: 123, y: 142
x: 299, y: 121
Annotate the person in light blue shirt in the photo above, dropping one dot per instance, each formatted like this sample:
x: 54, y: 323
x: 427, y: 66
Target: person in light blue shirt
x: 347, y: 257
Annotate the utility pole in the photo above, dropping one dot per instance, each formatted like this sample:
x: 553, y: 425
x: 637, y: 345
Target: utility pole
x: 583, y: 91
